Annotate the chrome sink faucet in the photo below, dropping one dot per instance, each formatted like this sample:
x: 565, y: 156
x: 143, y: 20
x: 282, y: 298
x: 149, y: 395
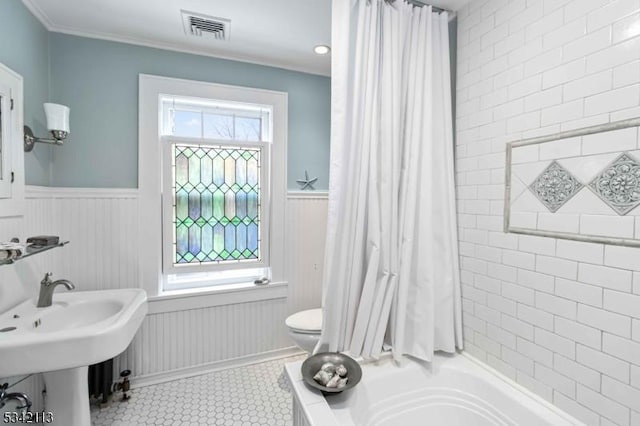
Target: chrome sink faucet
x: 46, y: 289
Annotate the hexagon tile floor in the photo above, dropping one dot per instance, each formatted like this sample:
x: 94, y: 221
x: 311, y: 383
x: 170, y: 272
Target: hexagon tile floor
x: 254, y: 395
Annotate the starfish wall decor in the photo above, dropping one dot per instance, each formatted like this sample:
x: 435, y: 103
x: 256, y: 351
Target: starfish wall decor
x: 306, y: 182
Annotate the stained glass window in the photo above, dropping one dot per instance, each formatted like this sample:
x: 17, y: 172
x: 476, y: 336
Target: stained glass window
x: 216, y: 203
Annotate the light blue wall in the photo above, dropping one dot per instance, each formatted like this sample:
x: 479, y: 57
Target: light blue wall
x: 98, y: 80
x: 24, y: 47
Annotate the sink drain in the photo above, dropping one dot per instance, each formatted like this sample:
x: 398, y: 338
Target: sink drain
x: 4, y: 330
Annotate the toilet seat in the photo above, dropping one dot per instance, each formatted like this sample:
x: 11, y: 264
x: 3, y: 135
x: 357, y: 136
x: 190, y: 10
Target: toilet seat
x: 308, y: 322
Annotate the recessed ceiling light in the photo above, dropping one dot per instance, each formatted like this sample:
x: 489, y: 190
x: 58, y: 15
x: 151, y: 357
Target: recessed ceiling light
x: 322, y: 49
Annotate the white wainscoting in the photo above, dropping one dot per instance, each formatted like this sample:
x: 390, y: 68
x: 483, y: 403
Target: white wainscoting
x: 307, y: 220
x: 101, y: 225
x: 177, y: 340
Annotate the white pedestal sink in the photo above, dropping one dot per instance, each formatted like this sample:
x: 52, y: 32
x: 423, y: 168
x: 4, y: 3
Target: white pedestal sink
x: 68, y: 398
x: 62, y: 340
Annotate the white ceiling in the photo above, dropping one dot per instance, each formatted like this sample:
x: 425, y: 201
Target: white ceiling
x: 281, y: 33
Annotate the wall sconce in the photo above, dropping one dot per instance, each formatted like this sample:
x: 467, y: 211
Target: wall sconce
x: 57, y: 123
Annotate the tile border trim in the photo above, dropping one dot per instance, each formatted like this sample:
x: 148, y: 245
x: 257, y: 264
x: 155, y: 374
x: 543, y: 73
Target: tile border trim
x: 507, y: 228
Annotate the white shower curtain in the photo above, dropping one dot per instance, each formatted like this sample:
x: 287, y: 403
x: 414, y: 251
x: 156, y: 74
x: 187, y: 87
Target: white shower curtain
x: 391, y: 274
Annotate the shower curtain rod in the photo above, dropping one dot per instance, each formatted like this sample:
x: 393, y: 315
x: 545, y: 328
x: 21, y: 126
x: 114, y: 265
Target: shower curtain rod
x: 434, y: 8
x: 420, y: 3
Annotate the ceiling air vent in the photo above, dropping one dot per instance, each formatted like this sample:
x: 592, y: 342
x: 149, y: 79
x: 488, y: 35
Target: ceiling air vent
x: 205, y: 26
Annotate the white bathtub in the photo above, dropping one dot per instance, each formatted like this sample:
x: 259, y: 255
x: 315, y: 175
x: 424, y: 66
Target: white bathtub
x: 458, y: 391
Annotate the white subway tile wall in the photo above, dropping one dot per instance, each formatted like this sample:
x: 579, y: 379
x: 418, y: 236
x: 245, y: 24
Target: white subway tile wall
x: 561, y: 318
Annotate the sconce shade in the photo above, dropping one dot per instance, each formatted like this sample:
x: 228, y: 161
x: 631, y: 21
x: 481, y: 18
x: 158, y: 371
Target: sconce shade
x: 57, y: 117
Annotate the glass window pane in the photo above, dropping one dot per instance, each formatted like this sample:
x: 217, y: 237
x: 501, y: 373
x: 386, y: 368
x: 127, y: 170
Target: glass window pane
x: 248, y: 128
x: 216, y: 220
x: 218, y: 126
x: 215, y: 119
x: 187, y: 124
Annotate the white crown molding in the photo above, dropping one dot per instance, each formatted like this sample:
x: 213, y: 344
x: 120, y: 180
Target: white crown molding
x: 47, y: 192
x: 38, y: 13
x: 50, y: 26
x: 170, y: 47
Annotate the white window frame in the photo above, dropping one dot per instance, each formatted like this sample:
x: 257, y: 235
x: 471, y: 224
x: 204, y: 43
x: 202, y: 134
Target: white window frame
x: 150, y: 178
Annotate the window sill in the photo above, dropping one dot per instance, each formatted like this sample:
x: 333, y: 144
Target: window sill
x: 198, y: 298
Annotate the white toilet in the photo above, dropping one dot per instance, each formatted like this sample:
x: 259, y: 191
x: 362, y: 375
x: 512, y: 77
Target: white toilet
x: 304, y: 328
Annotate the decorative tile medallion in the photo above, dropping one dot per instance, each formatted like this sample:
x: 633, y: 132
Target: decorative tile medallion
x: 618, y: 184
x: 555, y: 186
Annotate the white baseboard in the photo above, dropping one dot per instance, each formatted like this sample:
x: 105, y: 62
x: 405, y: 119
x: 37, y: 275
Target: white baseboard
x: 197, y: 370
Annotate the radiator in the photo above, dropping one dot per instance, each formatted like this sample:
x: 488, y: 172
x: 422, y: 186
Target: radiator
x: 101, y: 380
